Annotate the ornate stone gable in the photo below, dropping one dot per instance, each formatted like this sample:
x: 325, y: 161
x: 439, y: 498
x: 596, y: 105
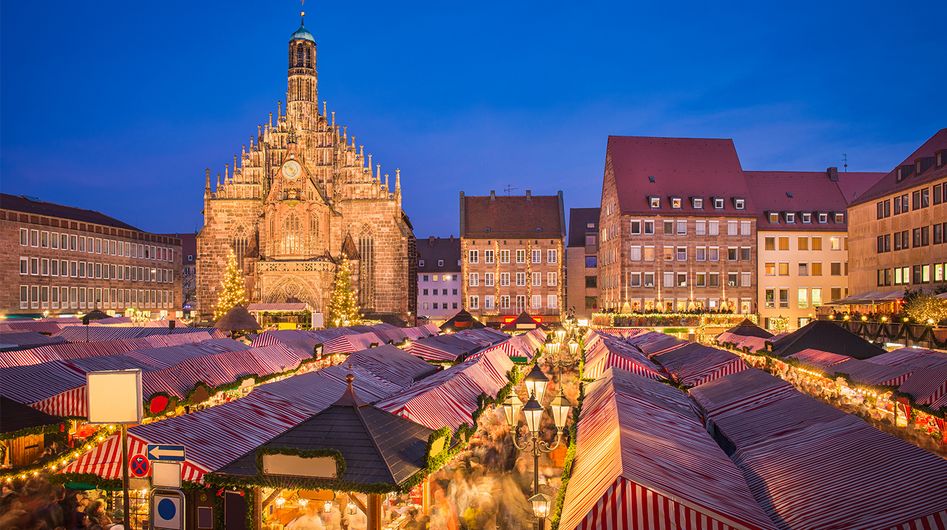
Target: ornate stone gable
x: 299, y: 189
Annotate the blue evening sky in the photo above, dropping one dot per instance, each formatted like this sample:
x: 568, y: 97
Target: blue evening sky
x: 118, y: 106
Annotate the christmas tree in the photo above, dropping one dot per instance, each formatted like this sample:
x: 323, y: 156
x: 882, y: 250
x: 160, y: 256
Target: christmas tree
x: 343, y: 306
x: 233, y: 291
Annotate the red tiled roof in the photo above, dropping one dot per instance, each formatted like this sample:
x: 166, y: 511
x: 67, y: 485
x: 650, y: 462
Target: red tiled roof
x: 535, y: 216
x: 889, y: 183
x: 681, y: 167
x: 23, y: 204
x: 804, y: 191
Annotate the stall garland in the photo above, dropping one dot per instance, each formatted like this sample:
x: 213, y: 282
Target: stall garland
x: 569, y: 461
x: 61, y: 460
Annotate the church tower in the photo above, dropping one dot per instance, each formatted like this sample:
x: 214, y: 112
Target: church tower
x: 302, y: 105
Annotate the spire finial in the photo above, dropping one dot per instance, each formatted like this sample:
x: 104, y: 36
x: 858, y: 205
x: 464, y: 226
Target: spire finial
x: 302, y: 12
x: 397, y: 179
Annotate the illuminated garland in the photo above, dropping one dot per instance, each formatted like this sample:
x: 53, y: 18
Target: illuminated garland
x: 62, y: 460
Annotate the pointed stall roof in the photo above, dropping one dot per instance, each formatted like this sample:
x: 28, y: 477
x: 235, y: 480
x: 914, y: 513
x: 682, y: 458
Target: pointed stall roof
x: 237, y: 319
x: 825, y: 336
x: 379, y: 451
x: 748, y: 328
x: 462, y: 320
x: 18, y: 417
x: 523, y: 321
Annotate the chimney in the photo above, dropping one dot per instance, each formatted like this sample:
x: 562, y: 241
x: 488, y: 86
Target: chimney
x: 832, y: 173
x: 493, y: 195
x: 529, y: 194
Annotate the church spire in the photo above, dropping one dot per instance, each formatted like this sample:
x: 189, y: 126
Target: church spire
x: 302, y: 89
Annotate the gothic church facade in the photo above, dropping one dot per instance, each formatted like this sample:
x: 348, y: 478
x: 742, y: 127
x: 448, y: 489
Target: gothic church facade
x: 301, y: 197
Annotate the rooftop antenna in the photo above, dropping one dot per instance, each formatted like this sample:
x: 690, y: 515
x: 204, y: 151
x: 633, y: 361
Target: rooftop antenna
x: 508, y: 189
x: 845, y: 162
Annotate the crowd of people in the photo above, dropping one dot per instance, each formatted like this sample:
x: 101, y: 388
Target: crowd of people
x: 37, y: 504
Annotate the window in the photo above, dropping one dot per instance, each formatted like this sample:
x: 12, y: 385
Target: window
x: 732, y: 279
x: 783, y: 243
x: 732, y: 228
x: 802, y: 298
x: 713, y: 228
x: 504, y: 279
x: 648, y: 227
x: 520, y: 255
x: 505, y: 302
x: 835, y: 294
x: 732, y: 253
x: 816, y: 297
x: 745, y: 253
x: 770, y: 298
x: 488, y: 302
x: 700, y: 253
x: 24, y: 237
x: 473, y: 256
x: 697, y: 202
x: 552, y: 301
x: 474, y: 302
x: 655, y: 202
x: 774, y: 217
x: 713, y: 279
x: 816, y: 269
x: 488, y: 257
x: 487, y: 280
x: 816, y: 243
x: 802, y: 243
x: 745, y: 228
x: 739, y: 204
x: 682, y: 279
x: 784, y: 269
x: 682, y: 228
x: 649, y: 253
x: 700, y: 279
x: 681, y: 253
x: 713, y: 254
x: 536, y: 301
x: 634, y: 253
x: 700, y: 227
x: 823, y: 218
x: 537, y: 278
x: 649, y: 279
x: 634, y: 279
x: 537, y: 255
x: 807, y: 218
x: 790, y: 217
x: 839, y: 218
x: 718, y: 203
x: 44, y: 267
x: 473, y: 279
x: 803, y: 269
x: 668, y: 280
x: 745, y: 279
x: 668, y: 253
x: 552, y: 255
x: 521, y: 279
x: 835, y: 243
x: 939, y: 193
x: 24, y: 265
x: 34, y: 266
x: 552, y: 278
x: 784, y: 298
x: 668, y: 227
x: 676, y: 203
x: 504, y: 256
x: 591, y: 262
x: 769, y: 243
x: 835, y: 269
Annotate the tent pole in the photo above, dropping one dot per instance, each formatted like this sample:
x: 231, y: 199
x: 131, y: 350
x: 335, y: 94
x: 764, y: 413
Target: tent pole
x: 126, y: 516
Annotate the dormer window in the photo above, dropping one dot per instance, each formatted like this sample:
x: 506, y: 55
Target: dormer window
x: 774, y: 217
x: 739, y: 204
x: 676, y: 203
x: 790, y: 217
x: 823, y: 218
x: 840, y: 218
x: 807, y: 218
x: 655, y: 202
x: 440, y: 263
x: 421, y: 263
x: 697, y: 202
x: 940, y: 158
x: 718, y: 203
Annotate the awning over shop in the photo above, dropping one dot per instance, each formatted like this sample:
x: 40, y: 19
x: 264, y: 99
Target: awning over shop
x: 870, y: 297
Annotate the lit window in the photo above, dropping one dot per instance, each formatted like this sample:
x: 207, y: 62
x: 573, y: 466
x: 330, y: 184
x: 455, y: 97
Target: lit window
x: 676, y: 202
x: 655, y: 202
x: 840, y: 218
x: 774, y: 217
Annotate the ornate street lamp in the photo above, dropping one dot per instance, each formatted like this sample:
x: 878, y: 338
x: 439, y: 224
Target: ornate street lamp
x: 561, y: 334
x: 533, y: 410
x: 573, y: 347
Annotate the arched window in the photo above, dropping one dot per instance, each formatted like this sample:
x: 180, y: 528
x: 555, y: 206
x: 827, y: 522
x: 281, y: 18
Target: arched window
x: 300, y: 55
x: 366, y: 273
x: 291, y: 242
x: 308, y: 57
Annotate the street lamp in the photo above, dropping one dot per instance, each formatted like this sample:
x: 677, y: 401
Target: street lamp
x: 561, y: 334
x: 573, y: 347
x: 533, y: 410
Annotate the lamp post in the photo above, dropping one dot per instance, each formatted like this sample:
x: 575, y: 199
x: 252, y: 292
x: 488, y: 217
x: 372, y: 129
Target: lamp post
x: 560, y: 407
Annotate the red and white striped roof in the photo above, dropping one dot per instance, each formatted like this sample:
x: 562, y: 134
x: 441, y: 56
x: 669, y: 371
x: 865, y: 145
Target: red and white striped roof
x: 644, y: 461
x: 78, y: 350
x: 605, y: 351
x: 694, y: 364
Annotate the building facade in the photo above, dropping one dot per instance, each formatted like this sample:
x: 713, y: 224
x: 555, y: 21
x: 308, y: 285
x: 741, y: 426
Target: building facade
x: 802, y: 241
x: 65, y: 260
x: 897, y: 227
x: 677, y: 227
x: 188, y: 271
x: 439, y: 284
x: 582, y: 262
x: 300, y: 197
x: 512, y: 256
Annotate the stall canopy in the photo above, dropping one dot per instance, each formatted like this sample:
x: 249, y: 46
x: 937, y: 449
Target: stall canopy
x: 523, y: 322
x: 745, y: 335
x: 110, y: 333
x: 365, y: 447
x: 21, y: 340
x: 218, y: 435
x: 810, y: 465
x: 645, y: 461
x: 237, y: 319
x: 694, y: 363
x: 605, y: 351
x: 20, y: 419
x: 828, y: 337
x: 77, y: 350
x: 450, y: 397
x: 462, y: 320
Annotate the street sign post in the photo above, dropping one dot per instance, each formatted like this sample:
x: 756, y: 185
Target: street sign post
x: 167, y: 509
x: 165, y: 452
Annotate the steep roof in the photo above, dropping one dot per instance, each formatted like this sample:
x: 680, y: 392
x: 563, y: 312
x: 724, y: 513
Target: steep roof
x: 677, y: 167
x: 521, y: 216
x: 825, y: 336
x: 749, y: 329
x: 432, y: 249
x: 928, y: 150
x: 24, y: 204
x: 805, y: 191
x: 579, y: 220
x: 17, y: 416
x: 462, y: 320
x: 379, y: 448
x: 237, y: 319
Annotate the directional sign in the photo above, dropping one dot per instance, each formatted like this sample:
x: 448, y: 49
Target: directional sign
x: 168, y: 453
x: 139, y: 466
x: 167, y: 509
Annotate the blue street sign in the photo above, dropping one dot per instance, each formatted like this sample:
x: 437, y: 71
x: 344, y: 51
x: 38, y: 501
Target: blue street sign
x: 167, y: 509
x: 165, y: 453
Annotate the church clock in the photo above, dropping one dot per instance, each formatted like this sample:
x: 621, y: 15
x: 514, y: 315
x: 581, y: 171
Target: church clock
x: 291, y: 170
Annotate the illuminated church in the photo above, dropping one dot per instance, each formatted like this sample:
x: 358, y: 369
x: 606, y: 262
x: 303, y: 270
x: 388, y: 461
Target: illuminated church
x: 301, y: 196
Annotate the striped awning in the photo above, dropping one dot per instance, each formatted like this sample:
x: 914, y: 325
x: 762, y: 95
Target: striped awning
x: 605, y: 351
x: 694, y: 364
x: 77, y: 350
x: 644, y: 461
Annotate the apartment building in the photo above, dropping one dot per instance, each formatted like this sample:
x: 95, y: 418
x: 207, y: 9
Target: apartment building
x: 62, y: 259
x: 439, y: 282
x: 512, y: 254
x: 802, y: 240
x: 677, y: 227
x: 898, y: 227
x: 582, y: 262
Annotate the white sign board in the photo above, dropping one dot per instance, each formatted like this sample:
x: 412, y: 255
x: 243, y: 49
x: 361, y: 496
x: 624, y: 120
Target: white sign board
x: 167, y: 510
x: 301, y: 466
x: 166, y: 474
x: 114, y: 396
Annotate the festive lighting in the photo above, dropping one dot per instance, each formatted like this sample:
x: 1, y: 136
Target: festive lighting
x: 560, y: 334
x: 536, y: 382
x: 533, y: 412
x: 573, y: 346
x: 560, y: 410
x: 540, y: 503
x: 327, y: 506
x: 280, y: 501
x: 864, y: 318
x: 511, y: 409
x: 304, y: 502
x: 351, y: 508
